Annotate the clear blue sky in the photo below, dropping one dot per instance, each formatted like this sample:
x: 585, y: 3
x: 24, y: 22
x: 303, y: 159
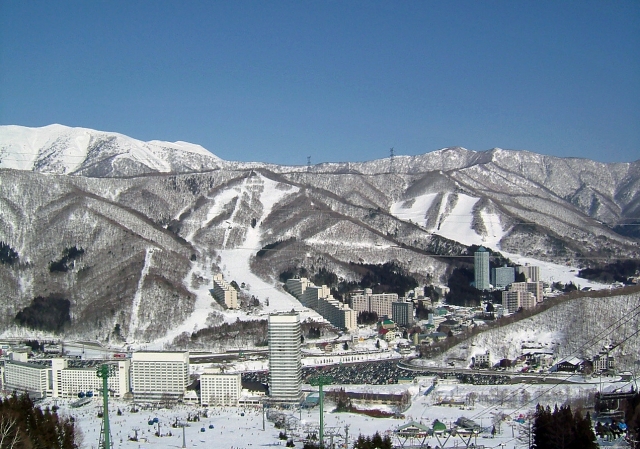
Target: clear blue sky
x: 278, y: 81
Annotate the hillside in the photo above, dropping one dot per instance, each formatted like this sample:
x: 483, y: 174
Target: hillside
x: 150, y: 223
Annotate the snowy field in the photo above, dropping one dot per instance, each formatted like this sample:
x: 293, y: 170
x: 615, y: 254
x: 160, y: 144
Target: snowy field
x: 231, y: 427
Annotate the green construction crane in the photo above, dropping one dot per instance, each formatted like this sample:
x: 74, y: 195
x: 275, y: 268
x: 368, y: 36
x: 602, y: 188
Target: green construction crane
x: 320, y: 381
x: 104, y: 372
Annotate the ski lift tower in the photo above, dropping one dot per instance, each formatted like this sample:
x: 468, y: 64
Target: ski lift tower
x: 320, y: 381
x: 105, y: 372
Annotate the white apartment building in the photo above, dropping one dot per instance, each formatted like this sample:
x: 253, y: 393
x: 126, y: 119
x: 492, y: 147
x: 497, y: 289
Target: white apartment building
x: 72, y: 381
x: 225, y: 293
x: 285, y: 366
x: 159, y: 375
x: 313, y: 294
x: 320, y: 299
x: 512, y: 300
x: 34, y: 379
x: 603, y: 361
x: 52, y: 378
x: 483, y: 360
x: 535, y: 288
x: 379, y: 303
x: 338, y: 314
x: 297, y: 286
x: 220, y: 389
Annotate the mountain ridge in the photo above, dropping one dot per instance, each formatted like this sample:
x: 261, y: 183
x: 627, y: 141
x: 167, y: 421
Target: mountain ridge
x: 152, y: 240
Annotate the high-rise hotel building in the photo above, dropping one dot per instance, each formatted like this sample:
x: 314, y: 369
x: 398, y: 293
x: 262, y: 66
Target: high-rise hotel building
x: 285, y: 365
x: 481, y: 269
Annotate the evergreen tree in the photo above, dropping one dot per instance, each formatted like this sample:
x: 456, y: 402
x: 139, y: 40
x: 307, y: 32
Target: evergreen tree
x: 26, y: 426
x: 562, y: 429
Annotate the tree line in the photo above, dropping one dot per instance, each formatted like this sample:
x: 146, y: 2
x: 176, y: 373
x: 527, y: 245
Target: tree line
x: 25, y: 426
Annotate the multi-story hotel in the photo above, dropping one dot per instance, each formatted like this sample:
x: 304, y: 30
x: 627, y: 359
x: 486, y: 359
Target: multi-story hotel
x: 535, y: 288
x: 338, y: 314
x: 217, y: 388
x: 159, y: 375
x: 224, y: 293
x: 512, y: 300
x: 379, y: 303
x: 297, y: 286
x: 501, y: 277
x: 285, y: 366
x: 34, y: 379
x: 320, y: 299
x: 402, y: 313
x: 481, y: 268
x: 74, y: 381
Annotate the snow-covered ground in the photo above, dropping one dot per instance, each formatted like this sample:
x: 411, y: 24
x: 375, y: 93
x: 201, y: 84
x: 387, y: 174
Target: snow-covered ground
x: 231, y: 427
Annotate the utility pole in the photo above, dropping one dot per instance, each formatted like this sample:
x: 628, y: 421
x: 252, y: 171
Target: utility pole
x: 320, y: 381
x: 104, y: 372
x: 346, y: 435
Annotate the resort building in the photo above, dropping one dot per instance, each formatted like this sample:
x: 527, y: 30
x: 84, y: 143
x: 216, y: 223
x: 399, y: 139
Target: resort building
x: 220, y: 389
x: 225, y: 293
x: 159, y: 375
x: 481, y: 269
x: 285, y: 366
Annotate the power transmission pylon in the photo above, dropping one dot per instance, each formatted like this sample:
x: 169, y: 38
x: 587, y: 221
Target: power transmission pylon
x: 320, y: 381
x: 104, y: 372
x: 391, y: 156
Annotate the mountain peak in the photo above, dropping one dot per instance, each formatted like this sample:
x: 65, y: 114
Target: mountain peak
x: 60, y: 149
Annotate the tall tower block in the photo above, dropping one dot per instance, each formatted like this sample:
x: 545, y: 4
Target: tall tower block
x: 481, y: 268
x: 285, y: 365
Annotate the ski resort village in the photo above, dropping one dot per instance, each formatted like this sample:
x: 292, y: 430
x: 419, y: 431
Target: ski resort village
x: 154, y: 295
x: 368, y: 370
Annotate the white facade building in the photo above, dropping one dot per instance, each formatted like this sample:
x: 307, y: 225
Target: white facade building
x: 320, y: 299
x: 72, y: 381
x: 34, y: 379
x: 535, y: 288
x: 285, y: 366
x: 512, y: 300
x: 225, y: 293
x: 297, y: 286
x: 159, y: 375
x: 379, y: 303
x: 220, y: 389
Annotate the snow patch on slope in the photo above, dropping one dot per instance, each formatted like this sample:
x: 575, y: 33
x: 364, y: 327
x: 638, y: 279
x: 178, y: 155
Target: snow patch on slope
x: 455, y: 225
x: 134, y: 323
x: 414, y: 210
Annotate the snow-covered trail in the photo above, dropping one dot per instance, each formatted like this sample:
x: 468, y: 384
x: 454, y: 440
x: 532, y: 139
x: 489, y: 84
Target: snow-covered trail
x: 202, y: 308
x: 236, y: 262
x: 134, y: 322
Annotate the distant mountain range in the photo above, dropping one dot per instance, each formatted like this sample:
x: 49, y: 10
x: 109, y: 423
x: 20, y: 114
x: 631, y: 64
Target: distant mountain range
x: 155, y: 220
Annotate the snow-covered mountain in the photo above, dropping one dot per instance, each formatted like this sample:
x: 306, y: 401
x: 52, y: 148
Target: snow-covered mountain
x: 60, y: 150
x: 151, y: 244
